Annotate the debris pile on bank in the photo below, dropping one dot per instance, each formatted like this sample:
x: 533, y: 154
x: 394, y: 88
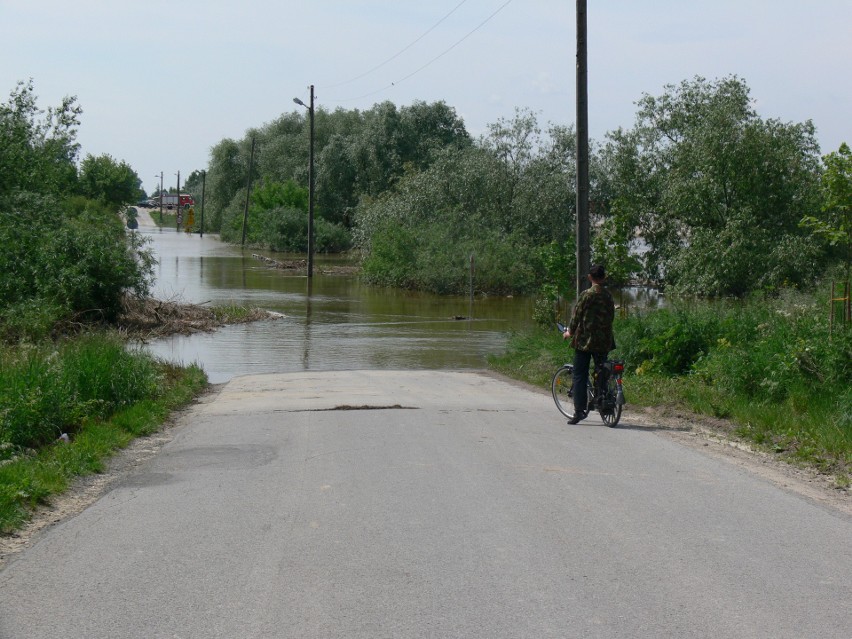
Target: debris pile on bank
x: 149, y: 318
x: 301, y: 266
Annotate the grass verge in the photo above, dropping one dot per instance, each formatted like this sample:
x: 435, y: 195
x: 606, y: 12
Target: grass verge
x: 30, y: 477
x: 769, y: 369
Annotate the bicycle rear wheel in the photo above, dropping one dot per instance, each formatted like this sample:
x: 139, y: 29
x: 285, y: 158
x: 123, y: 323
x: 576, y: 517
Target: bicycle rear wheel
x: 610, y: 409
x: 560, y: 387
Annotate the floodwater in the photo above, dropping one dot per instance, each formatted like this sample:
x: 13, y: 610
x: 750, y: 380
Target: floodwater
x: 335, y: 323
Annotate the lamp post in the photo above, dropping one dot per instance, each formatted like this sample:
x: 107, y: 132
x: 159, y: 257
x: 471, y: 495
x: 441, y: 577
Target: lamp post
x: 161, y: 197
x: 310, y: 109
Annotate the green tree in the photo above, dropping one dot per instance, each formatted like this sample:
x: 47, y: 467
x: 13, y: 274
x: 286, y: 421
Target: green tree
x: 835, y: 223
x: 357, y: 154
x: 37, y: 149
x: 65, y: 257
x: 715, y: 189
x: 193, y: 185
x: 226, y: 176
x: 505, y: 199
x: 104, y: 179
x: 336, y: 182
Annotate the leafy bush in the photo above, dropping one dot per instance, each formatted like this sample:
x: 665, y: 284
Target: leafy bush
x: 64, y: 257
x: 785, y: 353
x: 668, y: 341
x: 722, y: 261
x: 436, y: 258
x: 277, y: 221
x: 287, y: 231
x: 557, y: 262
x: 59, y: 267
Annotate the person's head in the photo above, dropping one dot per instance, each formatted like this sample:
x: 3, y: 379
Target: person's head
x: 597, y: 273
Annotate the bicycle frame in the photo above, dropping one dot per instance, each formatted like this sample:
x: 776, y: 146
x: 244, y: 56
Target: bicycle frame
x: 605, y: 389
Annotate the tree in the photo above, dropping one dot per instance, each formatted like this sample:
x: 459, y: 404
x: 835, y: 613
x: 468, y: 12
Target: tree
x: 112, y: 183
x: 192, y: 184
x: 37, y: 154
x: 226, y: 175
x: 427, y: 128
x: 65, y: 257
x: 357, y: 154
x: 835, y: 223
x: 505, y: 199
x: 336, y: 181
x: 715, y: 189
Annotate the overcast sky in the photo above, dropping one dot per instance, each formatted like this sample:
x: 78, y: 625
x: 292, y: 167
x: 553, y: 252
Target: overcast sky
x: 161, y: 82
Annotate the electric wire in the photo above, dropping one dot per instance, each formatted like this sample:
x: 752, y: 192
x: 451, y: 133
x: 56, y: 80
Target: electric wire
x: 399, y: 53
x: 436, y: 58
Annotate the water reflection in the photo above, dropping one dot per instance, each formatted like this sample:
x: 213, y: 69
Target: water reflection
x: 335, y: 323
x: 332, y: 322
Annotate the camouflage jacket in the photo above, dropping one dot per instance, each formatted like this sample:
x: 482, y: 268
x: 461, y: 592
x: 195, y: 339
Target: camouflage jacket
x: 591, y: 321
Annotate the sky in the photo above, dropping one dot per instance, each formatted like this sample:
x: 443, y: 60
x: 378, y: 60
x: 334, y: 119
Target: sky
x: 161, y: 82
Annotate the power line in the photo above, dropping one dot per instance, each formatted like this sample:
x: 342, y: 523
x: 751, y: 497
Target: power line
x: 399, y: 53
x: 437, y: 57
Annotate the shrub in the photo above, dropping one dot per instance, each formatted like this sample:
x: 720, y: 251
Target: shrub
x: 668, y: 341
x: 47, y: 390
x: 435, y: 257
x: 65, y: 263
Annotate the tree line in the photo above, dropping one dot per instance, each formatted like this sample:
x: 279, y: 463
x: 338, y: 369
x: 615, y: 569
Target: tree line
x: 701, y: 195
x: 65, y: 255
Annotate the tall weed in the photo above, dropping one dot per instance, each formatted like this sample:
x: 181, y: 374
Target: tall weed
x: 48, y: 390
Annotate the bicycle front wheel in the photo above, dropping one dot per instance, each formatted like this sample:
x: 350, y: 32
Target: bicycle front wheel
x: 560, y: 387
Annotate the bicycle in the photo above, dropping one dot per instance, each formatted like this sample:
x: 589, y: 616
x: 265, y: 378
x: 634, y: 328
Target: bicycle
x: 605, y: 390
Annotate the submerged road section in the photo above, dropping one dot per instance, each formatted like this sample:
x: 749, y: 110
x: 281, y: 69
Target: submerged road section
x: 429, y: 504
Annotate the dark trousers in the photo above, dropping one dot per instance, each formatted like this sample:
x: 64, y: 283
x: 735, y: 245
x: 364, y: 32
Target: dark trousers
x: 582, y: 359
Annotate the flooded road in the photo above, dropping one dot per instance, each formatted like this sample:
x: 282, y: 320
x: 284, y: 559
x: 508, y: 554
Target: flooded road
x: 338, y: 324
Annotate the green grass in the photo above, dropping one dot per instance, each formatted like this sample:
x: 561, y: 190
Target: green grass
x: 91, y: 389
x: 768, y: 366
x: 236, y: 314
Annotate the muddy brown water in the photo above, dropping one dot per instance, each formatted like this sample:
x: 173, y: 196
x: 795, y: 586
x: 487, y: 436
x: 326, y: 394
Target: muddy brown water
x: 336, y: 323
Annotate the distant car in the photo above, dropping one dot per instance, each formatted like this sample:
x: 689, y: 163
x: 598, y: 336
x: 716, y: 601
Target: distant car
x: 144, y: 203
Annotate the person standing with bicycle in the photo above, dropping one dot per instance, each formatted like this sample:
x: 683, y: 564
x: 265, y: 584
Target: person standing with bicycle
x: 590, y: 332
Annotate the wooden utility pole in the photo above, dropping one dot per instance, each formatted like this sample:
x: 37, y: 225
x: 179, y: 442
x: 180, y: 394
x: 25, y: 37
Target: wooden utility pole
x: 311, y: 192
x: 178, y: 210
x: 582, y: 227
x: 248, y: 192
x: 203, y: 184
x: 161, y: 198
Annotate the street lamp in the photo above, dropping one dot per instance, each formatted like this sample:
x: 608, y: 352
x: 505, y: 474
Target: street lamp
x: 161, y: 197
x: 310, y: 109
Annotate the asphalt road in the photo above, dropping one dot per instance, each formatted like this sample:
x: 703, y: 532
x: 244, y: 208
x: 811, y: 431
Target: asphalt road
x: 430, y: 504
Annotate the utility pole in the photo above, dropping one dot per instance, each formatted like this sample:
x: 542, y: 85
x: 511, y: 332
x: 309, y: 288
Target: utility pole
x: 203, y: 185
x: 178, y: 211
x: 311, y: 194
x: 582, y: 229
x: 310, y: 108
x: 248, y: 192
x: 161, y: 198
